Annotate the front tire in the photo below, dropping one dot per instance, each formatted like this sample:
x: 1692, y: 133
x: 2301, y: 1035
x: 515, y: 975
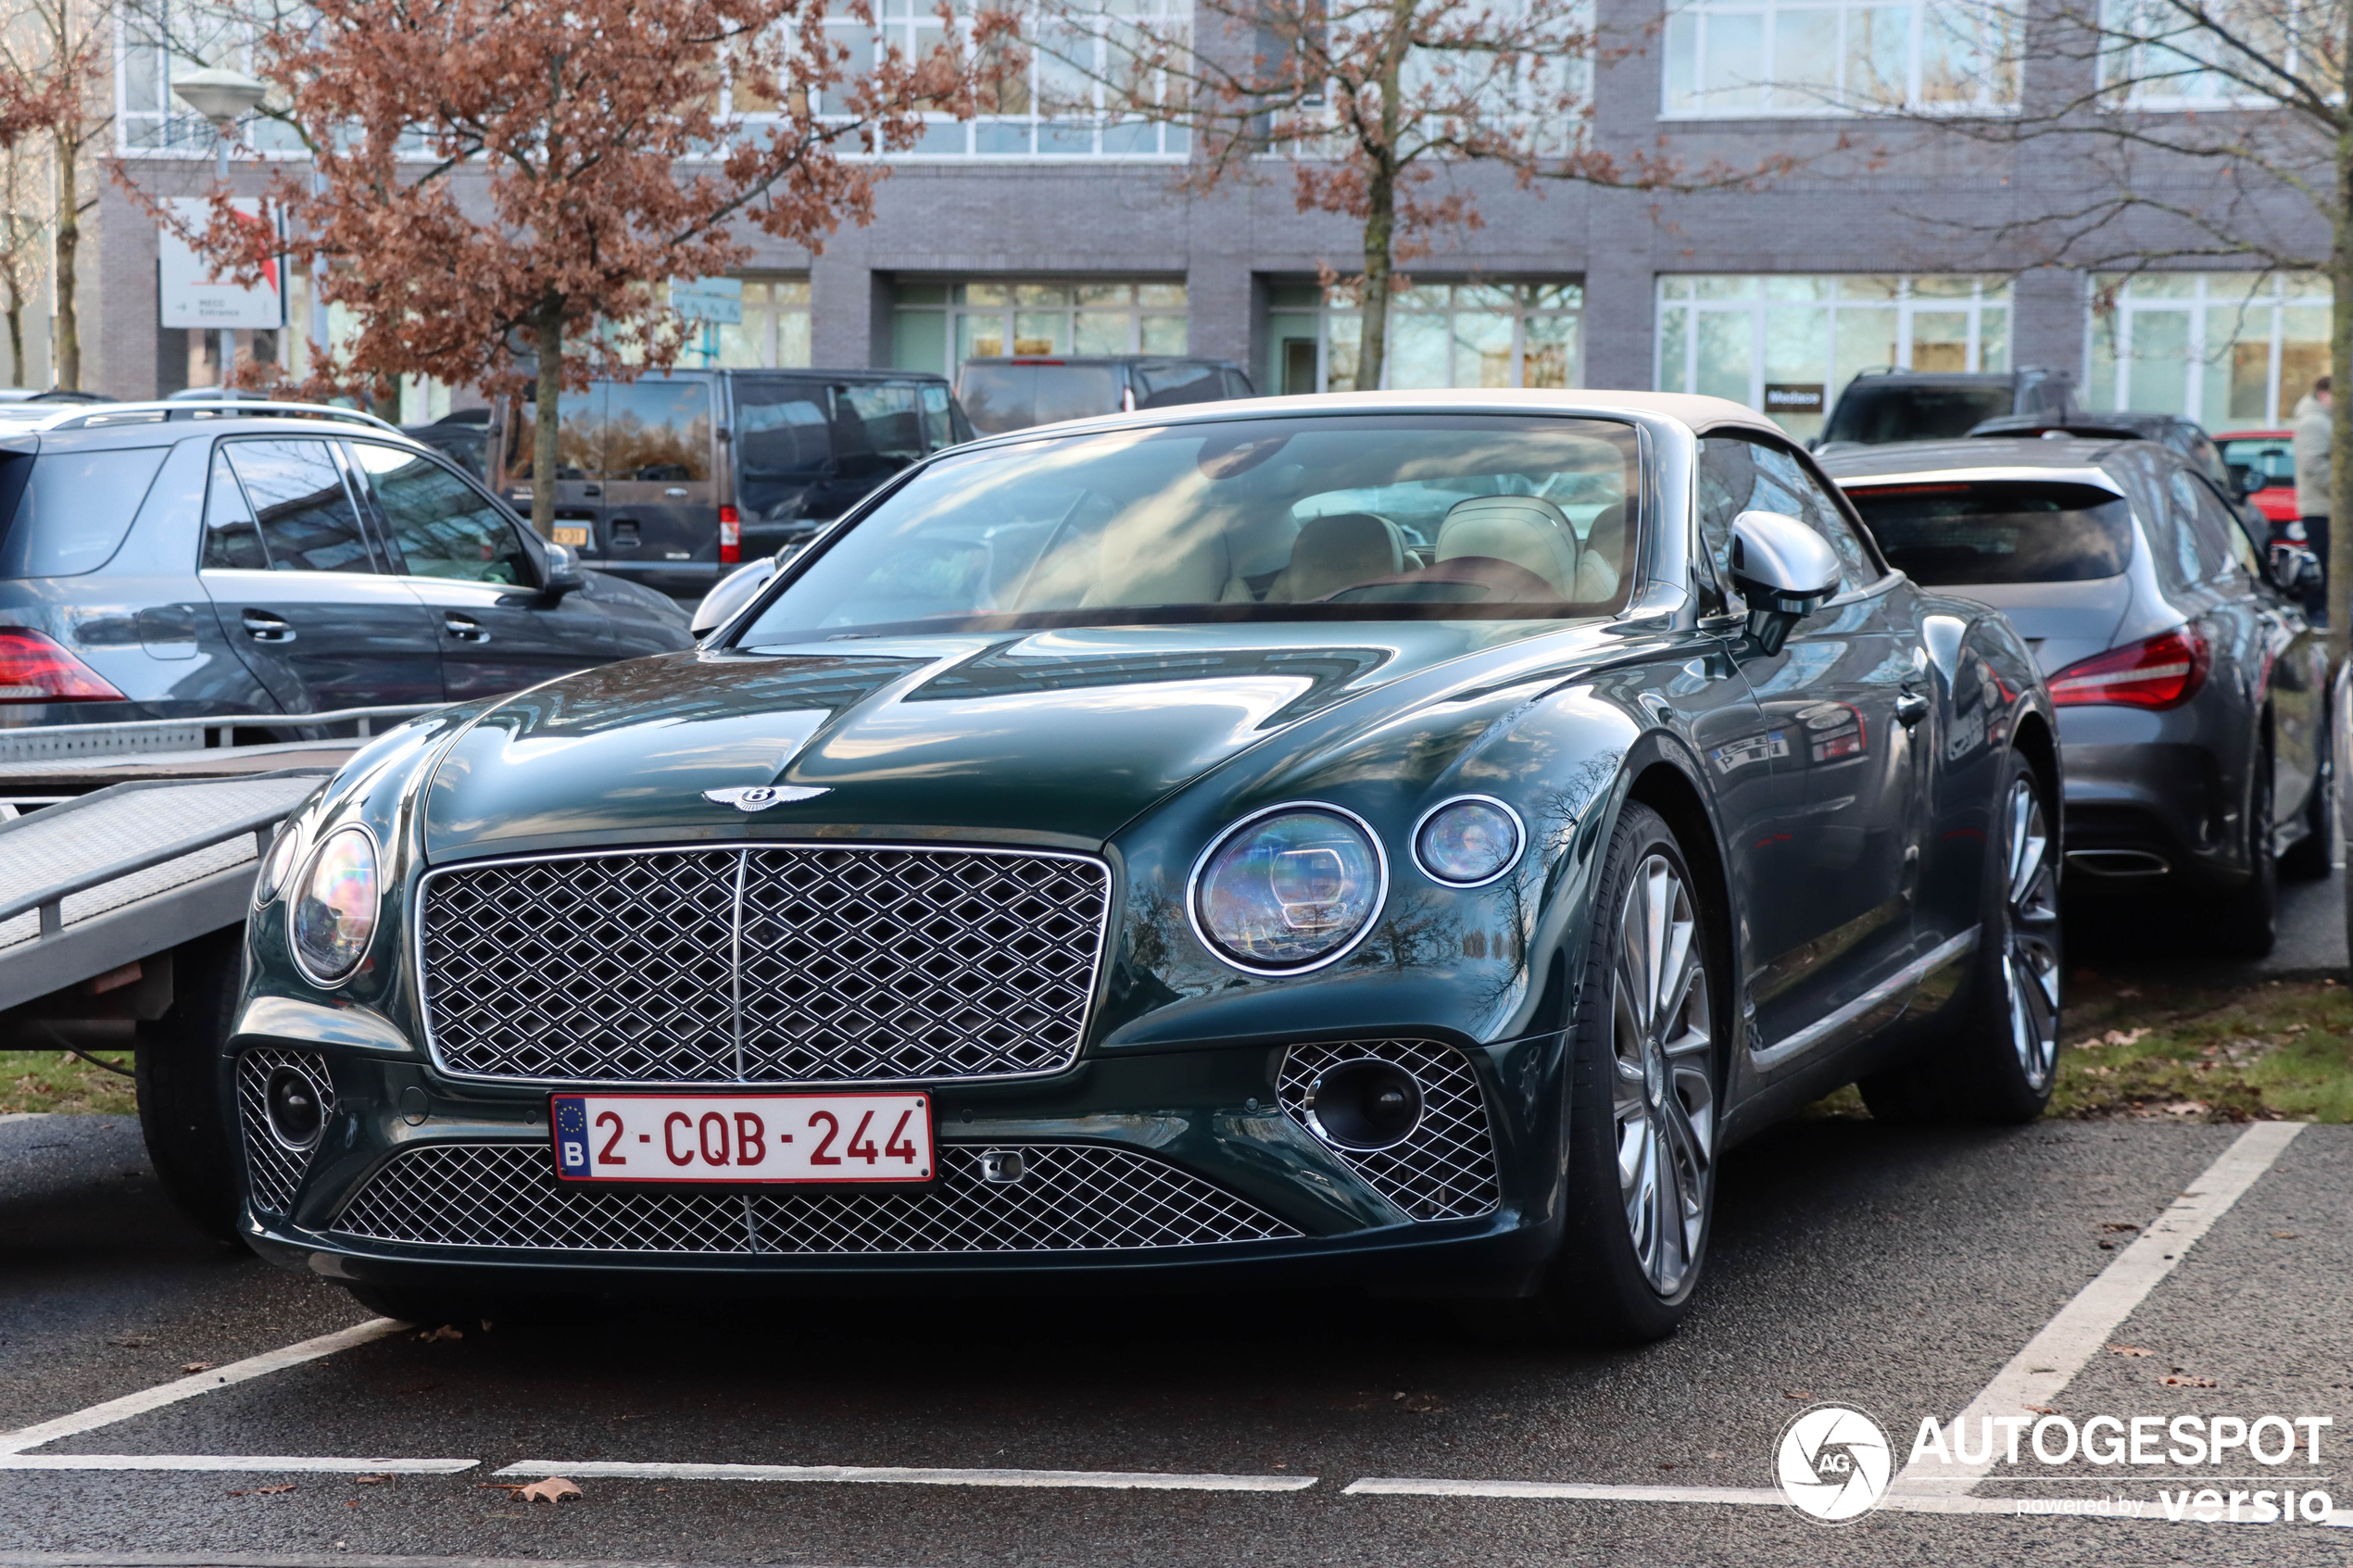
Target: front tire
x: 178, y: 1074
x: 1644, y: 1091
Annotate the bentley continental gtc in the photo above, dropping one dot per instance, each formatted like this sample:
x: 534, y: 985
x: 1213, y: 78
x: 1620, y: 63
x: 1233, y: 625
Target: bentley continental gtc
x: 1397, y: 842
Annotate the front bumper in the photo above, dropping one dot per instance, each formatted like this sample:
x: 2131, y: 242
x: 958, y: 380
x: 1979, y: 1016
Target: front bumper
x: 1149, y: 1168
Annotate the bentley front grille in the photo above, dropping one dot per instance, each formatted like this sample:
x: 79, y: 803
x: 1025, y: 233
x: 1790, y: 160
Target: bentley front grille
x: 1027, y: 1197
x: 1443, y: 1169
x: 274, y: 1167
x: 771, y: 964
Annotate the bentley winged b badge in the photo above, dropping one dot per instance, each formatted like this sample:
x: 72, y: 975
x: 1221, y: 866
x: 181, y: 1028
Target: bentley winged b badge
x: 758, y: 797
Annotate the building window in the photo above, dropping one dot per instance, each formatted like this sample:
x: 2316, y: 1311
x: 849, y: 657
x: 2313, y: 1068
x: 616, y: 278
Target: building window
x: 1016, y: 121
x: 773, y: 334
x: 2225, y: 348
x: 1440, y: 334
x: 938, y: 326
x: 1786, y: 345
x: 1749, y: 57
x: 2158, y: 57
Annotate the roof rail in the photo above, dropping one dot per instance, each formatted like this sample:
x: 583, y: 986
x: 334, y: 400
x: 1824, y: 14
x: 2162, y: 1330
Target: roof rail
x: 161, y: 412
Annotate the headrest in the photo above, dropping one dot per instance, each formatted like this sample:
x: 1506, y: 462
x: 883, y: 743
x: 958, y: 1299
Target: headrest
x: 1527, y: 531
x: 1603, y: 564
x: 1337, y: 552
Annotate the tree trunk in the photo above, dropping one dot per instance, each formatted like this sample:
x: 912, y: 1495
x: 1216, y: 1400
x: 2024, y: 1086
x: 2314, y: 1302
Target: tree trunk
x: 16, y: 343
x: 1380, y: 232
x: 68, y: 349
x: 543, y: 445
x: 2340, y: 561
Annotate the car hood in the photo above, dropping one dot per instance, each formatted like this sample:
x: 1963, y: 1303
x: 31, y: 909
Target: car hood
x: 1058, y: 736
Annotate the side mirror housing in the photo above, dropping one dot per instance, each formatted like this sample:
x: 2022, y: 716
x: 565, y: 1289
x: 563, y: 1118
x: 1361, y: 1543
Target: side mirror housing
x: 564, y: 574
x: 733, y: 591
x: 2247, y: 478
x: 2295, y: 570
x: 1784, y: 570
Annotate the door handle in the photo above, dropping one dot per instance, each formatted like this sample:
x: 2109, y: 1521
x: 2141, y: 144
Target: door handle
x: 1910, y: 707
x: 592, y: 489
x: 264, y: 627
x: 675, y: 492
x: 465, y: 627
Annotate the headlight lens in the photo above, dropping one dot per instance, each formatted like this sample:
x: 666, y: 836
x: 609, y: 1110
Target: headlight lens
x: 1288, y: 889
x: 336, y: 913
x: 278, y: 869
x: 1467, y: 841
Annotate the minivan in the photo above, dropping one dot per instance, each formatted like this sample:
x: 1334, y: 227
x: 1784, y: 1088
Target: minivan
x: 1005, y: 393
x: 676, y: 478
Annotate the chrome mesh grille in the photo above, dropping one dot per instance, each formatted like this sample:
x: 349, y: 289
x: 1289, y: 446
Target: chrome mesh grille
x: 1071, y: 1197
x: 769, y: 964
x: 1445, y: 1168
x: 272, y: 1170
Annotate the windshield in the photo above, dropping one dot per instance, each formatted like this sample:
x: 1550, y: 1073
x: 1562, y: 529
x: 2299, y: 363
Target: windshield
x: 1879, y: 411
x: 1341, y: 518
x: 997, y: 398
x: 1945, y: 535
x: 2269, y: 455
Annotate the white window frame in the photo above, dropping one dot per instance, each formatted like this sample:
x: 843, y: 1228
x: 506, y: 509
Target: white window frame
x: 1327, y: 312
x: 2124, y: 62
x: 1786, y: 100
x: 954, y: 310
x: 2276, y: 298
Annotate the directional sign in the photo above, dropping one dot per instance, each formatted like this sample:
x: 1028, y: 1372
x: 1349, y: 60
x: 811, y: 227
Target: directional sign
x: 194, y: 296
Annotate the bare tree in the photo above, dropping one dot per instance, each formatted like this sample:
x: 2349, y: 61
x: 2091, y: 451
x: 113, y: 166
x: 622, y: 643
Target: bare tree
x: 24, y: 239
x: 1371, y: 107
x: 56, y: 80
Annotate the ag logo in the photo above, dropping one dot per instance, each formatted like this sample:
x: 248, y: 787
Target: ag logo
x: 1832, y: 1463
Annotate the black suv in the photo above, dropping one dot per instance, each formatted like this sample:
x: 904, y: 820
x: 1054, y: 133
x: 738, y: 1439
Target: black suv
x: 674, y: 479
x: 1879, y: 407
x: 1015, y: 393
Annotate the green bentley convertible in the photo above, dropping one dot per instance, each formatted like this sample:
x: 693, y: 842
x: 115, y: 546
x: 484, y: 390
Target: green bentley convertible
x: 1394, y: 841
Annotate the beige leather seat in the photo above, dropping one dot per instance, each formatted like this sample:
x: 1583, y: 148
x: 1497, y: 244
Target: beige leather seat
x: 1140, y: 566
x: 1601, y: 565
x: 1527, y: 531
x: 1337, y: 552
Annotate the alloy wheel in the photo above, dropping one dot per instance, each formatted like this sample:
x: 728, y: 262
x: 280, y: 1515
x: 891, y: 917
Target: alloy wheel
x: 1664, y: 1091
x: 2030, y: 952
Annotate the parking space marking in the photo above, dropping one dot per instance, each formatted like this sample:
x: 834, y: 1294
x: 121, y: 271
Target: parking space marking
x: 2053, y: 1356
x: 23, y: 1116
x: 210, y: 1382
x: 289, y: 1463
x: 904, y: 1475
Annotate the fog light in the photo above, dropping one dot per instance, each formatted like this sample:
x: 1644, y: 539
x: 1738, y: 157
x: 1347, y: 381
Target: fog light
x: 295, y: 1116
x: 1364, y: 1105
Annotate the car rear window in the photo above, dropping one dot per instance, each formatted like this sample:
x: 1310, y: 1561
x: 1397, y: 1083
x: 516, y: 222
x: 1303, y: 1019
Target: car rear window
x: 1942, y: 536
x: 68, y: 511
x: 1875, y: 413
x: 2270, y: 456
x: 1003, y: 397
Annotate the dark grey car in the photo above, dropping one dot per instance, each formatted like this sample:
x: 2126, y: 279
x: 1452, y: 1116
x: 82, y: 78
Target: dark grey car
x: 1009, y: 393
x: 1879, y: 407
x: 2190, y: 687
x: 185, y: 560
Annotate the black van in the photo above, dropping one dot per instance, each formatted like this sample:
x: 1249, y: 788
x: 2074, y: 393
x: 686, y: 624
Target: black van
x: 1006, y: 392
x: 674, y: 479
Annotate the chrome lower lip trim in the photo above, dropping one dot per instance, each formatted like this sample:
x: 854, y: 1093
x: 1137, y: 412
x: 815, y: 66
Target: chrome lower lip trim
x: 745, y: 849
x: 1826, y: 1028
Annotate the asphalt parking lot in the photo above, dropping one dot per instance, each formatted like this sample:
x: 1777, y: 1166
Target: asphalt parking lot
x: 1905, y: 1273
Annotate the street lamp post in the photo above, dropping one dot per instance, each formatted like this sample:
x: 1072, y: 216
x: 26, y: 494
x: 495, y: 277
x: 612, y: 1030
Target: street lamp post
x: 223, y: 98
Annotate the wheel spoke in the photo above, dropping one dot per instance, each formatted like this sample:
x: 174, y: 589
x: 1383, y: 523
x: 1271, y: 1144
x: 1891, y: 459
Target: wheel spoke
x: 1657, y: 882
x: 1667, y: 1218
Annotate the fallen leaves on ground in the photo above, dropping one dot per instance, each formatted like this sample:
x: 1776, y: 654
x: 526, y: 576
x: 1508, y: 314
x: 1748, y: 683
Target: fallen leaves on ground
x: 264, y: 1492
x: 2188, y: 1382
x: 2042, y: 1409
x: 2129, y: 1351
x: 555, y: 1488
x: 132, y: 1341
x: 443, y: 1332
x: 372, y: 1480
x: 197, y: 1366
x: 2124, y: 1037
x: 2283, y: 1236
x: 2117, y: 1225
x: 1796, y: 1394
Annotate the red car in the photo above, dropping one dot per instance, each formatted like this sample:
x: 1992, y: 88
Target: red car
x: 2271, y: 454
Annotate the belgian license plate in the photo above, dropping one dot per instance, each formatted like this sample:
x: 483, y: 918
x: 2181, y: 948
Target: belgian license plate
x: 566, y: 536
x: 738, y: 1140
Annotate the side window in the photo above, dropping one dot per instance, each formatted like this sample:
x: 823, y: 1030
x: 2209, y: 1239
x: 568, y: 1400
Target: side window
x: 2199, y: 553
x: 306, y: 514
x: 1164, y: 386
x: 1238, y: 385
x: 938, y: 429
x: 780, y: 428
x: 876, y: 429
x: 1738, y: 475
x: 656, y: 432
x: 2221, y: 532
x: 443, y: 526
x: 232, y: 539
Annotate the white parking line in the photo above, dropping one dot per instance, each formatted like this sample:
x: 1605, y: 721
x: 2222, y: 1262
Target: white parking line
x: 23, y: 1116
x: 289, y: 1463
x: 901, y: 1476
x: 210, y: 1382
x: 1579, y: 1491
x: 2053, y: 1357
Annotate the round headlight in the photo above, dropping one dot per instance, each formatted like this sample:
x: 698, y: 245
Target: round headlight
x: 1288, y: 889
x: 1468, y: 841
x: 335, y: 914
x: 277, y: 868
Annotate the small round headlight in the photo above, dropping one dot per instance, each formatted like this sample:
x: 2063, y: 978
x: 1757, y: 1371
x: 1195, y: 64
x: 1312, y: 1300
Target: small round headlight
x: 1288, y: 889
x: 1468, y: 841
x: 335, y: 914
x: 277, y: 868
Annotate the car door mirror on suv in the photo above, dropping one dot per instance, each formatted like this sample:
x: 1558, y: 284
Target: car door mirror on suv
x: 564, y: 574
x: 2295, y: 570
x: 1784, y: 570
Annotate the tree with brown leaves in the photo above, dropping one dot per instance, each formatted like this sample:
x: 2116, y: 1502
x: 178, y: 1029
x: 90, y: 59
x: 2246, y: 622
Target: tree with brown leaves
x: 501, y: 178
x: 1373, y: 107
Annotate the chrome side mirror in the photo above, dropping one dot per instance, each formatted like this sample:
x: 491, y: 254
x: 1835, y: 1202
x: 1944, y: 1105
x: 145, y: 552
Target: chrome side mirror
x: 733, y: 592
x: 1784, y: 570
x: 564, y: 575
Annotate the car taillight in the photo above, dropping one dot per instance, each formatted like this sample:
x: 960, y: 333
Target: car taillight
x: 731, y: 536
x: 33, y: 669
x: 2161, y: 671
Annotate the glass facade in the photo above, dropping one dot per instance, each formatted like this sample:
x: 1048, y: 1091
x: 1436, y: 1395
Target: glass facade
x: 2225, y: 348
x: 1440, y: 334
x: 1751, y: 57
x: 774, y: 331
x: 1786, y: 344
x: 938, y: 326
